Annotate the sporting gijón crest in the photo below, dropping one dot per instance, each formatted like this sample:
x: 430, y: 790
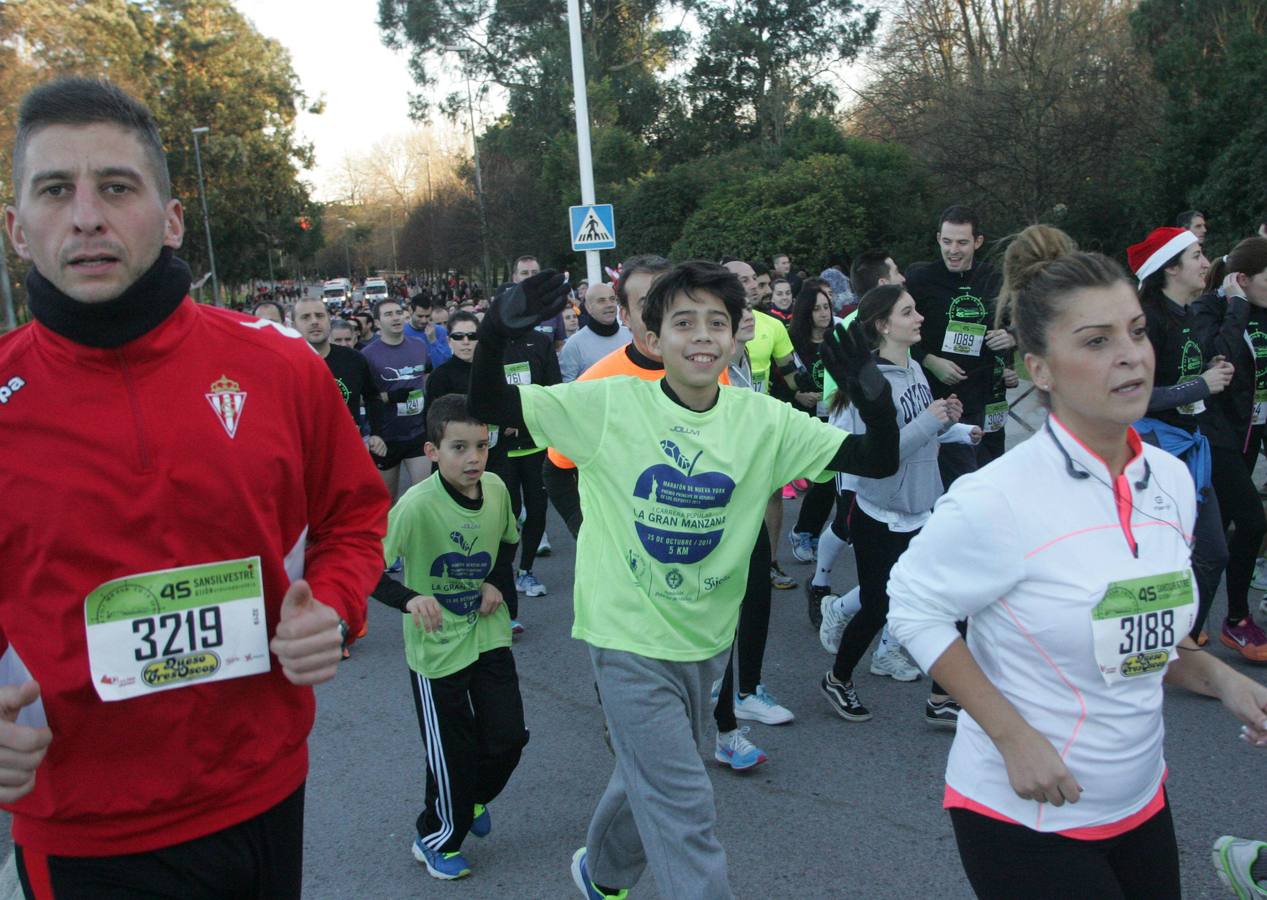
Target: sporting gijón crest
x: 227, y: 399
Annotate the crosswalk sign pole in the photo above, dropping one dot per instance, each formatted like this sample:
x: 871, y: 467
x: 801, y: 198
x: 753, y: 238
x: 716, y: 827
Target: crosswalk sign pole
x: 593, y: 267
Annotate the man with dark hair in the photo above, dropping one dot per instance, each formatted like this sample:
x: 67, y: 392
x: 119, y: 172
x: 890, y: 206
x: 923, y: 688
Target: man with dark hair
x: 873, y: 268
x: 956, y: 295
x: 350, y: 369
x: 761, y: 274
x: 781, y: 267
x: 399, y: 364
x: 422, y: 325
x: 1193, y: 220
x: 219, y: 520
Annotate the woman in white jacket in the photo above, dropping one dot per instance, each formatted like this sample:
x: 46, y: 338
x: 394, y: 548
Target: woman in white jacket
x: 888, y: 512
x: 1071, y: 555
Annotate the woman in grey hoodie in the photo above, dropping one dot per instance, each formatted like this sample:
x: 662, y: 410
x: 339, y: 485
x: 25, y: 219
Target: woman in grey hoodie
x: 889, y: 512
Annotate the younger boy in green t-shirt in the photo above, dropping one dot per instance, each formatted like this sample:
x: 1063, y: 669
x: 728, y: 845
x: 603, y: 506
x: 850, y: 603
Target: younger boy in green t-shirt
x: 673, y: 497
x: 457, y: 536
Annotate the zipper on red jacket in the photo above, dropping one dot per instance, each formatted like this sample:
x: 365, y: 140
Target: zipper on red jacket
x: 1122, y: 499
x: 138, y: 423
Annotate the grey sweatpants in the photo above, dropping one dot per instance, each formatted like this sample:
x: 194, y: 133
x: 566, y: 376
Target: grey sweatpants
x: 658, y: 807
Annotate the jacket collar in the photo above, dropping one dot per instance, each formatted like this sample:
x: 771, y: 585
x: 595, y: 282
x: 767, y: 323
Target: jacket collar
x: 1085, y: 458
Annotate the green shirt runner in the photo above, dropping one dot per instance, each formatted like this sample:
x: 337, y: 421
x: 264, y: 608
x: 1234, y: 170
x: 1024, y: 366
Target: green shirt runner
x: 662, y: 561
x: 448, y: 552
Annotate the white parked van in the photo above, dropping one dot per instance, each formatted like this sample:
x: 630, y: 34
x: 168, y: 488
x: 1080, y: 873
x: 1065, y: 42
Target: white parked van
x: 375, y: 290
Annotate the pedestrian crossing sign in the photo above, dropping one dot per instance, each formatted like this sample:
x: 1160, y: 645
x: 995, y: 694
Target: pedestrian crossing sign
x: 593, y: 227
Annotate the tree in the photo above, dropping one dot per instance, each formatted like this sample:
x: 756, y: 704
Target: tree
x: 818, y: 210
x: 1024, y: 108
x: 761, y: 62
x: 195, y: 63
x: 1211, y: 56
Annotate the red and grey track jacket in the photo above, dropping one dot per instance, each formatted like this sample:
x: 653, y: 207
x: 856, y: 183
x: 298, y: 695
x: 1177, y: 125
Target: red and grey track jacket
x: 211, y: 437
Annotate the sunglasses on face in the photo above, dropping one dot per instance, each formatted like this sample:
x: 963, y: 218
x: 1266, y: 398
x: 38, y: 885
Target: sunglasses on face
x: 461, y: 335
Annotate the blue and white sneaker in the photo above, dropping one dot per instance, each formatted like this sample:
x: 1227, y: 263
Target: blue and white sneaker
x: 516, y: 628
x: 526, y: 584
x: 760, y: 706
x: 482, y: 824
x: 445, y: 866
x: 802, y: 545
x: 581, y: 878
x: 735, y: 750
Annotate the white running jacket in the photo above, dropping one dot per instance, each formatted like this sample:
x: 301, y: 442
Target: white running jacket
x: 1042, y: 561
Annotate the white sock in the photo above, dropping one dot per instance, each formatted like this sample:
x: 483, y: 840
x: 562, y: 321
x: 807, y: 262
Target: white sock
x: 887, y: 644
x: 851, y: 603
x: 829, y: 547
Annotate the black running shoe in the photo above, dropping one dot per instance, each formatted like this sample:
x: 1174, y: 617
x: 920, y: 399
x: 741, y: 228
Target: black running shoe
x: 814, y: 597
x: 942, y: 713
x: 843, y: 699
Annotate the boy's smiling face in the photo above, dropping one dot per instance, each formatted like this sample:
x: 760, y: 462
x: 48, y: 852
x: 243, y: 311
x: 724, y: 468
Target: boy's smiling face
x: 695, y: 340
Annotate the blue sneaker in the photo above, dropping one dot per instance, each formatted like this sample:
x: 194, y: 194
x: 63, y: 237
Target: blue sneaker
x: 483, y: 822
x: 396, y: 567
x: 581, y: 878
x: 735, y: 750
x: 802, y: 545
x: 446, y: 866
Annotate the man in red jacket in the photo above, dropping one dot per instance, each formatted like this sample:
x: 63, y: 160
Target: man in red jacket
x: 190, y: 562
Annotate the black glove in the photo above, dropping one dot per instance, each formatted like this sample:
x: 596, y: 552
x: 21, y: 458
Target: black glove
x: 518, y: 308
x: 848, y: 358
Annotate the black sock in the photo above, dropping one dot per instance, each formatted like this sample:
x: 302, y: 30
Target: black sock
x: 1259, y: 868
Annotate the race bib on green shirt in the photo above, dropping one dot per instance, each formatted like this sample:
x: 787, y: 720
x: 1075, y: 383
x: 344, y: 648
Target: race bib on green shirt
x: 412, y: 405
x: 518, y: 373
x: 158, y: 631
x: 964, y: 338
x: 995, y: 416
x: 1138, y: 623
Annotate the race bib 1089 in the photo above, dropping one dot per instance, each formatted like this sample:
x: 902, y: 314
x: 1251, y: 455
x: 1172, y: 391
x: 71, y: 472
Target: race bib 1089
x: 963, y: 338
x: 158, y: 631
x: 1138, y: 623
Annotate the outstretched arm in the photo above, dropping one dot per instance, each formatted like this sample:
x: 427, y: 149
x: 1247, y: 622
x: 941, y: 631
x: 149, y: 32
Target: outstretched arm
x: 849, y: 360
x: 516, y: 310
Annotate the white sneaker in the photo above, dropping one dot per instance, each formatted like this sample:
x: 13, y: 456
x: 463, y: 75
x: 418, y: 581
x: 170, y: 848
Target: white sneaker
x: 527, y: 584
x: 894, y: 664
x: 543, y: 548
x: 834, y: 622
x: 1259, y: 581
x: 759, y: 706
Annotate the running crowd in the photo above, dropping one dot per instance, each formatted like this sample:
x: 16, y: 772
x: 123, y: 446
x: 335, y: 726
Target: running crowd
x: 229, y: 538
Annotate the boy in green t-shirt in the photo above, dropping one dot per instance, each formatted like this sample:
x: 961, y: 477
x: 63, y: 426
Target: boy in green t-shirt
x: 673, y: 499
x: 457, y: 536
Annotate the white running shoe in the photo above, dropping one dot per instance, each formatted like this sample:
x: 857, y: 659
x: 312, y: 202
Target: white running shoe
x: 1234, y: 860
x: 527, y: 584
x: 834, y: 622
x: 759, y: 706
x: 894, y: 664
x: 1259, y: 581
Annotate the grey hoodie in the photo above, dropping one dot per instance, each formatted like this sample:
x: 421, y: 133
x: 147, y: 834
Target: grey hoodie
x: 916, y: 485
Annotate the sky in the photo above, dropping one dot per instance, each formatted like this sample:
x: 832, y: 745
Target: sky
x: 336, y: 51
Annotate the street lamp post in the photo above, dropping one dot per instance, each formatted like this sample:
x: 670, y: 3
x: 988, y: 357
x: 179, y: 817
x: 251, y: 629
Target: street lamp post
x: 479, y: 190
x: 206, y: 219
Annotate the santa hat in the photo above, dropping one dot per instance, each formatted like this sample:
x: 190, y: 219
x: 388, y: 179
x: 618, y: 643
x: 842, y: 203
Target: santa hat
x: 1159, y: 248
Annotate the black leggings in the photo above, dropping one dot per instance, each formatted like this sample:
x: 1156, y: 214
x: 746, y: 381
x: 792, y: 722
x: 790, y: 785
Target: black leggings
x: 844, y: 507
x: 1003, y: 861
x: 750, y: 638
x: 816, y: 507
x: 876, y: 550
x: 523, y: 474
x: 1240, y: 506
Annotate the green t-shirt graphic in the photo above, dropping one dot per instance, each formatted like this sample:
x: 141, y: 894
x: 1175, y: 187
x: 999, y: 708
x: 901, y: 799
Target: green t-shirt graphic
x: 448, y: 552
x: 672, y: 501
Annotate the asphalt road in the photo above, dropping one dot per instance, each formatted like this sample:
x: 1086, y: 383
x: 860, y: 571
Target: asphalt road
x: 840, y: 810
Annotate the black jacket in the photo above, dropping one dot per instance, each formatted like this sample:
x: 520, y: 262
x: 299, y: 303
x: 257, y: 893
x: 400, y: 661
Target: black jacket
x: 943, y: 296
